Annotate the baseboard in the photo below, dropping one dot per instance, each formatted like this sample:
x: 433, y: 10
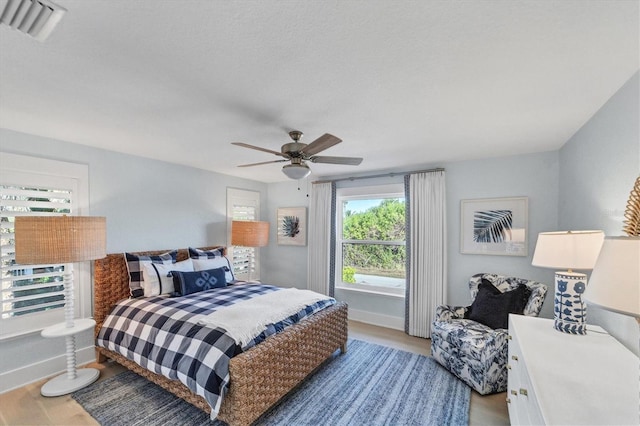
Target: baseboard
x: 42, y: 369
x: 380, y: 320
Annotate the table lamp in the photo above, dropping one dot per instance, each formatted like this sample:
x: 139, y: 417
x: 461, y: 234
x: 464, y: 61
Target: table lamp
x: 46, y: 240
x: 249, y: 233
x: 568, y: 250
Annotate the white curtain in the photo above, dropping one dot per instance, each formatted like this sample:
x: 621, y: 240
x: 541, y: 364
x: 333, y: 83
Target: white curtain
x: 319, y: 238
x: 427, y: 283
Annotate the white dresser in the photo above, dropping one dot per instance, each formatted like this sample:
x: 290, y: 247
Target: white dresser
x: 563, y: 379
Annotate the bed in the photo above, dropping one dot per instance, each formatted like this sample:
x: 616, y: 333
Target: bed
x: 260, y: 376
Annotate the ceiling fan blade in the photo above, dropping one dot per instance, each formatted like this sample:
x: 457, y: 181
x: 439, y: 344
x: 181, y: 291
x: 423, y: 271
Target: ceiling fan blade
x: 263, y: 162
x: 323, y: 142
x: 246, y: 145
x: 349, y: 161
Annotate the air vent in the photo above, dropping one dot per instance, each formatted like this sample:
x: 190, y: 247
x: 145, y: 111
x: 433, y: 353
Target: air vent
x: 36, y: 18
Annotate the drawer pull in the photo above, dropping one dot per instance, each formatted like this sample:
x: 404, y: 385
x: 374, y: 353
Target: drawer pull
x: 514, y: 357
x: 514, y: 392
x: 509, y: 337
x: 508, y: 401
x: 508, y: 366
x: 523, y: 392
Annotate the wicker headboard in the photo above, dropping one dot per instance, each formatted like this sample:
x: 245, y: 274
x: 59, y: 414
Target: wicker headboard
x: 111, y: 281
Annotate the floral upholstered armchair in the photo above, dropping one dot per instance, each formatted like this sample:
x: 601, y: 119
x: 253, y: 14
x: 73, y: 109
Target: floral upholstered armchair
x: 471, y: 341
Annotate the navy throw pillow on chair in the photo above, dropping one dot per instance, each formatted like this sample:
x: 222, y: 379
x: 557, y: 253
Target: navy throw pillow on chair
x: 193, y: 282
x: 492, y: 307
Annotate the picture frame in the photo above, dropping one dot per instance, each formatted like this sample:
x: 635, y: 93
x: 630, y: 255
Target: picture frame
x: 292, y: 226
x: 494, y: 226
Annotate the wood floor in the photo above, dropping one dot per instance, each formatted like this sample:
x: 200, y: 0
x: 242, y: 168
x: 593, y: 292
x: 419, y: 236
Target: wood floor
x: 25, y: 406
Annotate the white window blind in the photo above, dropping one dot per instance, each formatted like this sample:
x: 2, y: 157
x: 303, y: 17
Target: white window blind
x: 243, y: 205
x: 244, y: 258
x: 31, y: 296
x: 32, y: 288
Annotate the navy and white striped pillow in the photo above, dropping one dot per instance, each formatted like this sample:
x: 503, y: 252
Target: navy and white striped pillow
x: 135, y: 268
x: 211, y: 259
x: 195, y: 253
x: 158, y: 279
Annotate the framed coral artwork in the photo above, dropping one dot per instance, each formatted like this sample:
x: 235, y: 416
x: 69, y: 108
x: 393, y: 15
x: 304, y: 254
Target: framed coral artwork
x: 292, y: 226
x: 496, y: 226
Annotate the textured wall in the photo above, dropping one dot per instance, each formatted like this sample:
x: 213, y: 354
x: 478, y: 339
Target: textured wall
x: 284, y: 264
x: 534, y: 176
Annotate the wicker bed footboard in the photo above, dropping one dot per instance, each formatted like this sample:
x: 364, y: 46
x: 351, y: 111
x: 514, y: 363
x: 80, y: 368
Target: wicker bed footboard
x: 259, y: 377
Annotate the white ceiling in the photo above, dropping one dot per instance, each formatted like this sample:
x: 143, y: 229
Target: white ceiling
x: 402, y: 83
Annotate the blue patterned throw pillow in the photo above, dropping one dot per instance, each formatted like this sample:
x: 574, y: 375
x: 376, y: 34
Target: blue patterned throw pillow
x: 193, y: 282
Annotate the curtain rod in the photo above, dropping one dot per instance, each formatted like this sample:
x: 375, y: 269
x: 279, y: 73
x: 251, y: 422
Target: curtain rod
x: 390, y: 174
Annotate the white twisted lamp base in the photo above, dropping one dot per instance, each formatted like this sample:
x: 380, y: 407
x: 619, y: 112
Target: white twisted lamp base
x: 74, y: 379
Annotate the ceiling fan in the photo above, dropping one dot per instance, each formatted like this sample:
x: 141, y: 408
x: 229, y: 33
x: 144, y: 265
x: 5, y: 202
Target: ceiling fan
x: 299, y: 153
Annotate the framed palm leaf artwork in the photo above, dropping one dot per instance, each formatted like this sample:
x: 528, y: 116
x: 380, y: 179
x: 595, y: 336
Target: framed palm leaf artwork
x: 496, y: 226
x: 292, y: 226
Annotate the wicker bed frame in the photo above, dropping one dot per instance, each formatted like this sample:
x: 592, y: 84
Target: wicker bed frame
x: 259, y: 377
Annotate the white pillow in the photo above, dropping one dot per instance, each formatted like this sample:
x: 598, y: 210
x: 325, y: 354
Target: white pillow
x: 213, y: 263
x: 157, y: 278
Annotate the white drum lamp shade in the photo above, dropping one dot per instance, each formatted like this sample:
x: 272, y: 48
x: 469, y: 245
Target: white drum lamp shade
x: 567, y: 249
x: 615, y: 280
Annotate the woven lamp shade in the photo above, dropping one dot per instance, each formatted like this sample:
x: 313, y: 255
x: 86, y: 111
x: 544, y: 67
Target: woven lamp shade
x: 248, y: 233
x: 59, y: 239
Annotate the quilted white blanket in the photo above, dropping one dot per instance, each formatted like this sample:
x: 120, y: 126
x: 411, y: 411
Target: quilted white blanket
x: 245, y: 320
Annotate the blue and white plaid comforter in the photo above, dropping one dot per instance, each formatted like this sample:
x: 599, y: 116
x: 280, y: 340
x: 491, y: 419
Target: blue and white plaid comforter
x: 162, y: 334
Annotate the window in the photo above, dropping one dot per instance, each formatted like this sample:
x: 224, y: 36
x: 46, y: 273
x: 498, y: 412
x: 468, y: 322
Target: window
x: 32, y: 296
x: 370, y: 240
x: 243, y: 205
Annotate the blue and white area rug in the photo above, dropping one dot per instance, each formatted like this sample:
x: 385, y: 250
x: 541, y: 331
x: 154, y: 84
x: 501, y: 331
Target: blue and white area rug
x: 369, y: 385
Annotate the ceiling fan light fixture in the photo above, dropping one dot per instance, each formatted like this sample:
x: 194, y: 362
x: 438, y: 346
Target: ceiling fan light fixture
x: 298, y: 153
x: 296, y: 171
